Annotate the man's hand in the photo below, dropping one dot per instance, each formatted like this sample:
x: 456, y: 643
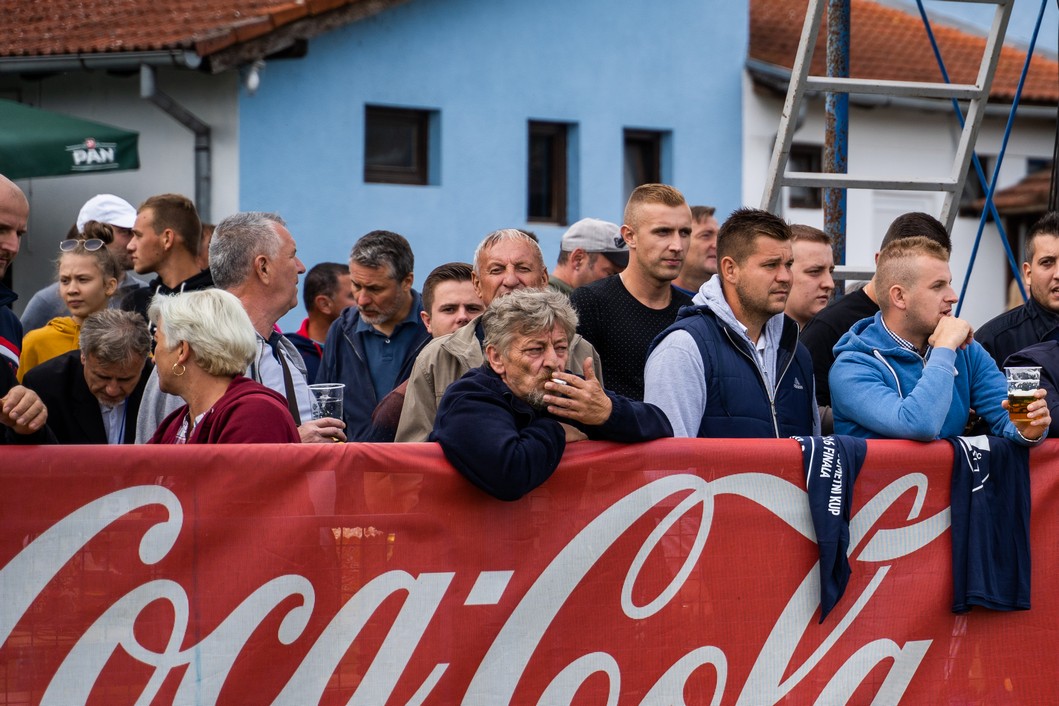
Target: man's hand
x: 23, y: 410
x: 573, y: 433
x: 322, y: 431
x: 581, y: 400
x: 1040, y: 417
x: 951, y: 333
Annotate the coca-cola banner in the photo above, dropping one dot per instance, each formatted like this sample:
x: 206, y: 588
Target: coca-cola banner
x: 676, y: 572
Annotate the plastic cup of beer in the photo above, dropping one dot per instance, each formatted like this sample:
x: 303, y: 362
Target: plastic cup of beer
x: 327, y: 399
x: 1022, y: 385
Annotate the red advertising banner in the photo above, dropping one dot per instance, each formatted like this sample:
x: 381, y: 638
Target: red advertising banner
x: 676, y: 572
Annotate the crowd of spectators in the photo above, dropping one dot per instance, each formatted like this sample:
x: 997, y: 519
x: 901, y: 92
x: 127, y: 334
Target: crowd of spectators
x: 162, y: 329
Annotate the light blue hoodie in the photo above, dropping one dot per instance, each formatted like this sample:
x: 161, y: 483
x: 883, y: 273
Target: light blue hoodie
x: 880, y: 390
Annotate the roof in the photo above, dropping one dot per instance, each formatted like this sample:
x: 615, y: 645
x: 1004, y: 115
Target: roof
x: 207, y: 29
x: 1029, y: 195
x: 890, y: 44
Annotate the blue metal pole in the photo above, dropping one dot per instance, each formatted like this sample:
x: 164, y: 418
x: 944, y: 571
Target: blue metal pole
x: 836, y: 140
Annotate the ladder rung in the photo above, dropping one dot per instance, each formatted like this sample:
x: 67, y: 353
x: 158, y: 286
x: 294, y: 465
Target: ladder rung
x: 859, y: 182
x: 852, y: 272
x: 894, y: 88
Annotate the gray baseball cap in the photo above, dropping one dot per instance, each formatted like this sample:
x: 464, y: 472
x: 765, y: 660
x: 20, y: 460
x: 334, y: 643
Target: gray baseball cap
x: 594, y: 235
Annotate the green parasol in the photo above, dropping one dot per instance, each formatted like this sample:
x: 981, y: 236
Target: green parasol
x: 37, y: 143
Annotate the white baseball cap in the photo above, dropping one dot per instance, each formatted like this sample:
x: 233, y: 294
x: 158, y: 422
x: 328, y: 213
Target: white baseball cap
x: 106, y: 208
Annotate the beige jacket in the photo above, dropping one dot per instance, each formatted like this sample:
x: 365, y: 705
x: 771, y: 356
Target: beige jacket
x: 445, y: 360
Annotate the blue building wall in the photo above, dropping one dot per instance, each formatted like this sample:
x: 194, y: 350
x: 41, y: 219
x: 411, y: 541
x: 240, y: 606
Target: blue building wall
x: 488, y: 67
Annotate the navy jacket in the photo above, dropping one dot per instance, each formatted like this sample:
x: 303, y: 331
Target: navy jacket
x: 10, y: 330
x: 1046, y: 357
x: 507, y: 448
x: 832, y: 464
x: 346, y: 361
x: 1014, y: 330
x: 737, y: 400
x: 311, y: 352
x: 990, y: 510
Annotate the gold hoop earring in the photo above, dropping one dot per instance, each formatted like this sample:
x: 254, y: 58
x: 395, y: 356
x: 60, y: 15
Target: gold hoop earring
x: 182, y: 369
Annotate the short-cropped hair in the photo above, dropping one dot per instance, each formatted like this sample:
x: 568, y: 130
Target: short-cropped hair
x: 325, y: 278
x: 1048, y: 224
x: 895, y: 266
x: 701, y: 213
x: 650, y: 193
x: 737, y: 234
x: 383, y: 248
x: 178, y: 214
x: 498, y: 236
x: 237, y: 240
x: 917, y: 223
x: 800, y: 231
x: 526, y: 312
x: 449, y: 272
x: 214, y: 323
x: 114, y: 337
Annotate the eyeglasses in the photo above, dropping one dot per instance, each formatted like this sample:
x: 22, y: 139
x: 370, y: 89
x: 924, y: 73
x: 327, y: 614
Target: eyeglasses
x: 91, y: 245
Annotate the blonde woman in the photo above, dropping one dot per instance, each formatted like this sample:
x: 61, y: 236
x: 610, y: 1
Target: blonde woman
x: 204, y: 341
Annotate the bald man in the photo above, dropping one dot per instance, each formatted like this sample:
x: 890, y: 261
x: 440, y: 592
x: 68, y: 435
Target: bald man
x: 21, y: 410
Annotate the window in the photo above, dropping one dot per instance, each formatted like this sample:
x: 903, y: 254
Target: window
x: 1037, y: 164
x: 547, y: 182
x: 396, y: 145
x: 643, y: 158
x: 805, y: 158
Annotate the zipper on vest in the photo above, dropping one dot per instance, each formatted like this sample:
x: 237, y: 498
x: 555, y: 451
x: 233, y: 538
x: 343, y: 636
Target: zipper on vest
x: 761, y: 376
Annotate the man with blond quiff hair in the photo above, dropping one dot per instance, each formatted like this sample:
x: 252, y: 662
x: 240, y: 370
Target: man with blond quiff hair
x: 914, y: 371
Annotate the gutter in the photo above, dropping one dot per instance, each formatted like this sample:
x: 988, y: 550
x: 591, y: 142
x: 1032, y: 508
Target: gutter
x: 778, y: 78
x: 203, y: 140
x: 85, y: 61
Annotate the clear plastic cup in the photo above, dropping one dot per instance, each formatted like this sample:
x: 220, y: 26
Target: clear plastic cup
x: 1022, y: 384
x: 327, y: 399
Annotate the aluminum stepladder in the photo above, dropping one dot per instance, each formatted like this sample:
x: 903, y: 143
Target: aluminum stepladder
x: 975, y: 95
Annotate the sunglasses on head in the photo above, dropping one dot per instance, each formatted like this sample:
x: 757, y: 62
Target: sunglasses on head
x: 91, y: 245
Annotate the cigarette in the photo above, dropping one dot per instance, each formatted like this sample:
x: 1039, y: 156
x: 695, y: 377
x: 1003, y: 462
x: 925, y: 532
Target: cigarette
x: 557, y: 381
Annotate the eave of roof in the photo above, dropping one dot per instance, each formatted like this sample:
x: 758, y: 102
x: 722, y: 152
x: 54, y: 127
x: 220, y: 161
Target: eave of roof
x: 1029, y: 195
x: 211, y: 35
x: 890, y: 44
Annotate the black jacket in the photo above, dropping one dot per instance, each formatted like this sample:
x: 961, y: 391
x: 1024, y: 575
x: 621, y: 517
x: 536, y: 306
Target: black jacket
x: 1046, y: 356
x: 139, y: 299
x: 73, y: 411
x: 1016, y: 329
x: 43, y: 435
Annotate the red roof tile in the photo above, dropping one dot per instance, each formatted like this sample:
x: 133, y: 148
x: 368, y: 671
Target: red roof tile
x: 1030, y: 195
x: 887, y: 43
x: 59, y: 27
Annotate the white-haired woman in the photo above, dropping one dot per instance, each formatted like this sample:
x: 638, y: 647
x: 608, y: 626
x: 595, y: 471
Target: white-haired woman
x: 204, y: 341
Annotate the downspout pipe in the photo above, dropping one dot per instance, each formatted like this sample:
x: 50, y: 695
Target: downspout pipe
x: 203, y: 141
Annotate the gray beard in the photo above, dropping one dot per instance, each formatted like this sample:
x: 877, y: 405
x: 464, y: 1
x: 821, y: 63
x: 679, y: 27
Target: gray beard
x: 535, y: 399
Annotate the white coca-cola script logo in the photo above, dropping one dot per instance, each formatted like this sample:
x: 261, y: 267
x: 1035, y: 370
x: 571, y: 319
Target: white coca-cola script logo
x: 24, y: 578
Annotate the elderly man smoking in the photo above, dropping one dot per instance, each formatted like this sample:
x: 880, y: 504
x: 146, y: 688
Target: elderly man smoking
x: 505, y: 425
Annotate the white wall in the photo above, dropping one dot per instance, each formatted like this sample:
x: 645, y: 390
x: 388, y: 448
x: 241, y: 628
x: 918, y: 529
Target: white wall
x: 895, y: 142
x: 166, y: 153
